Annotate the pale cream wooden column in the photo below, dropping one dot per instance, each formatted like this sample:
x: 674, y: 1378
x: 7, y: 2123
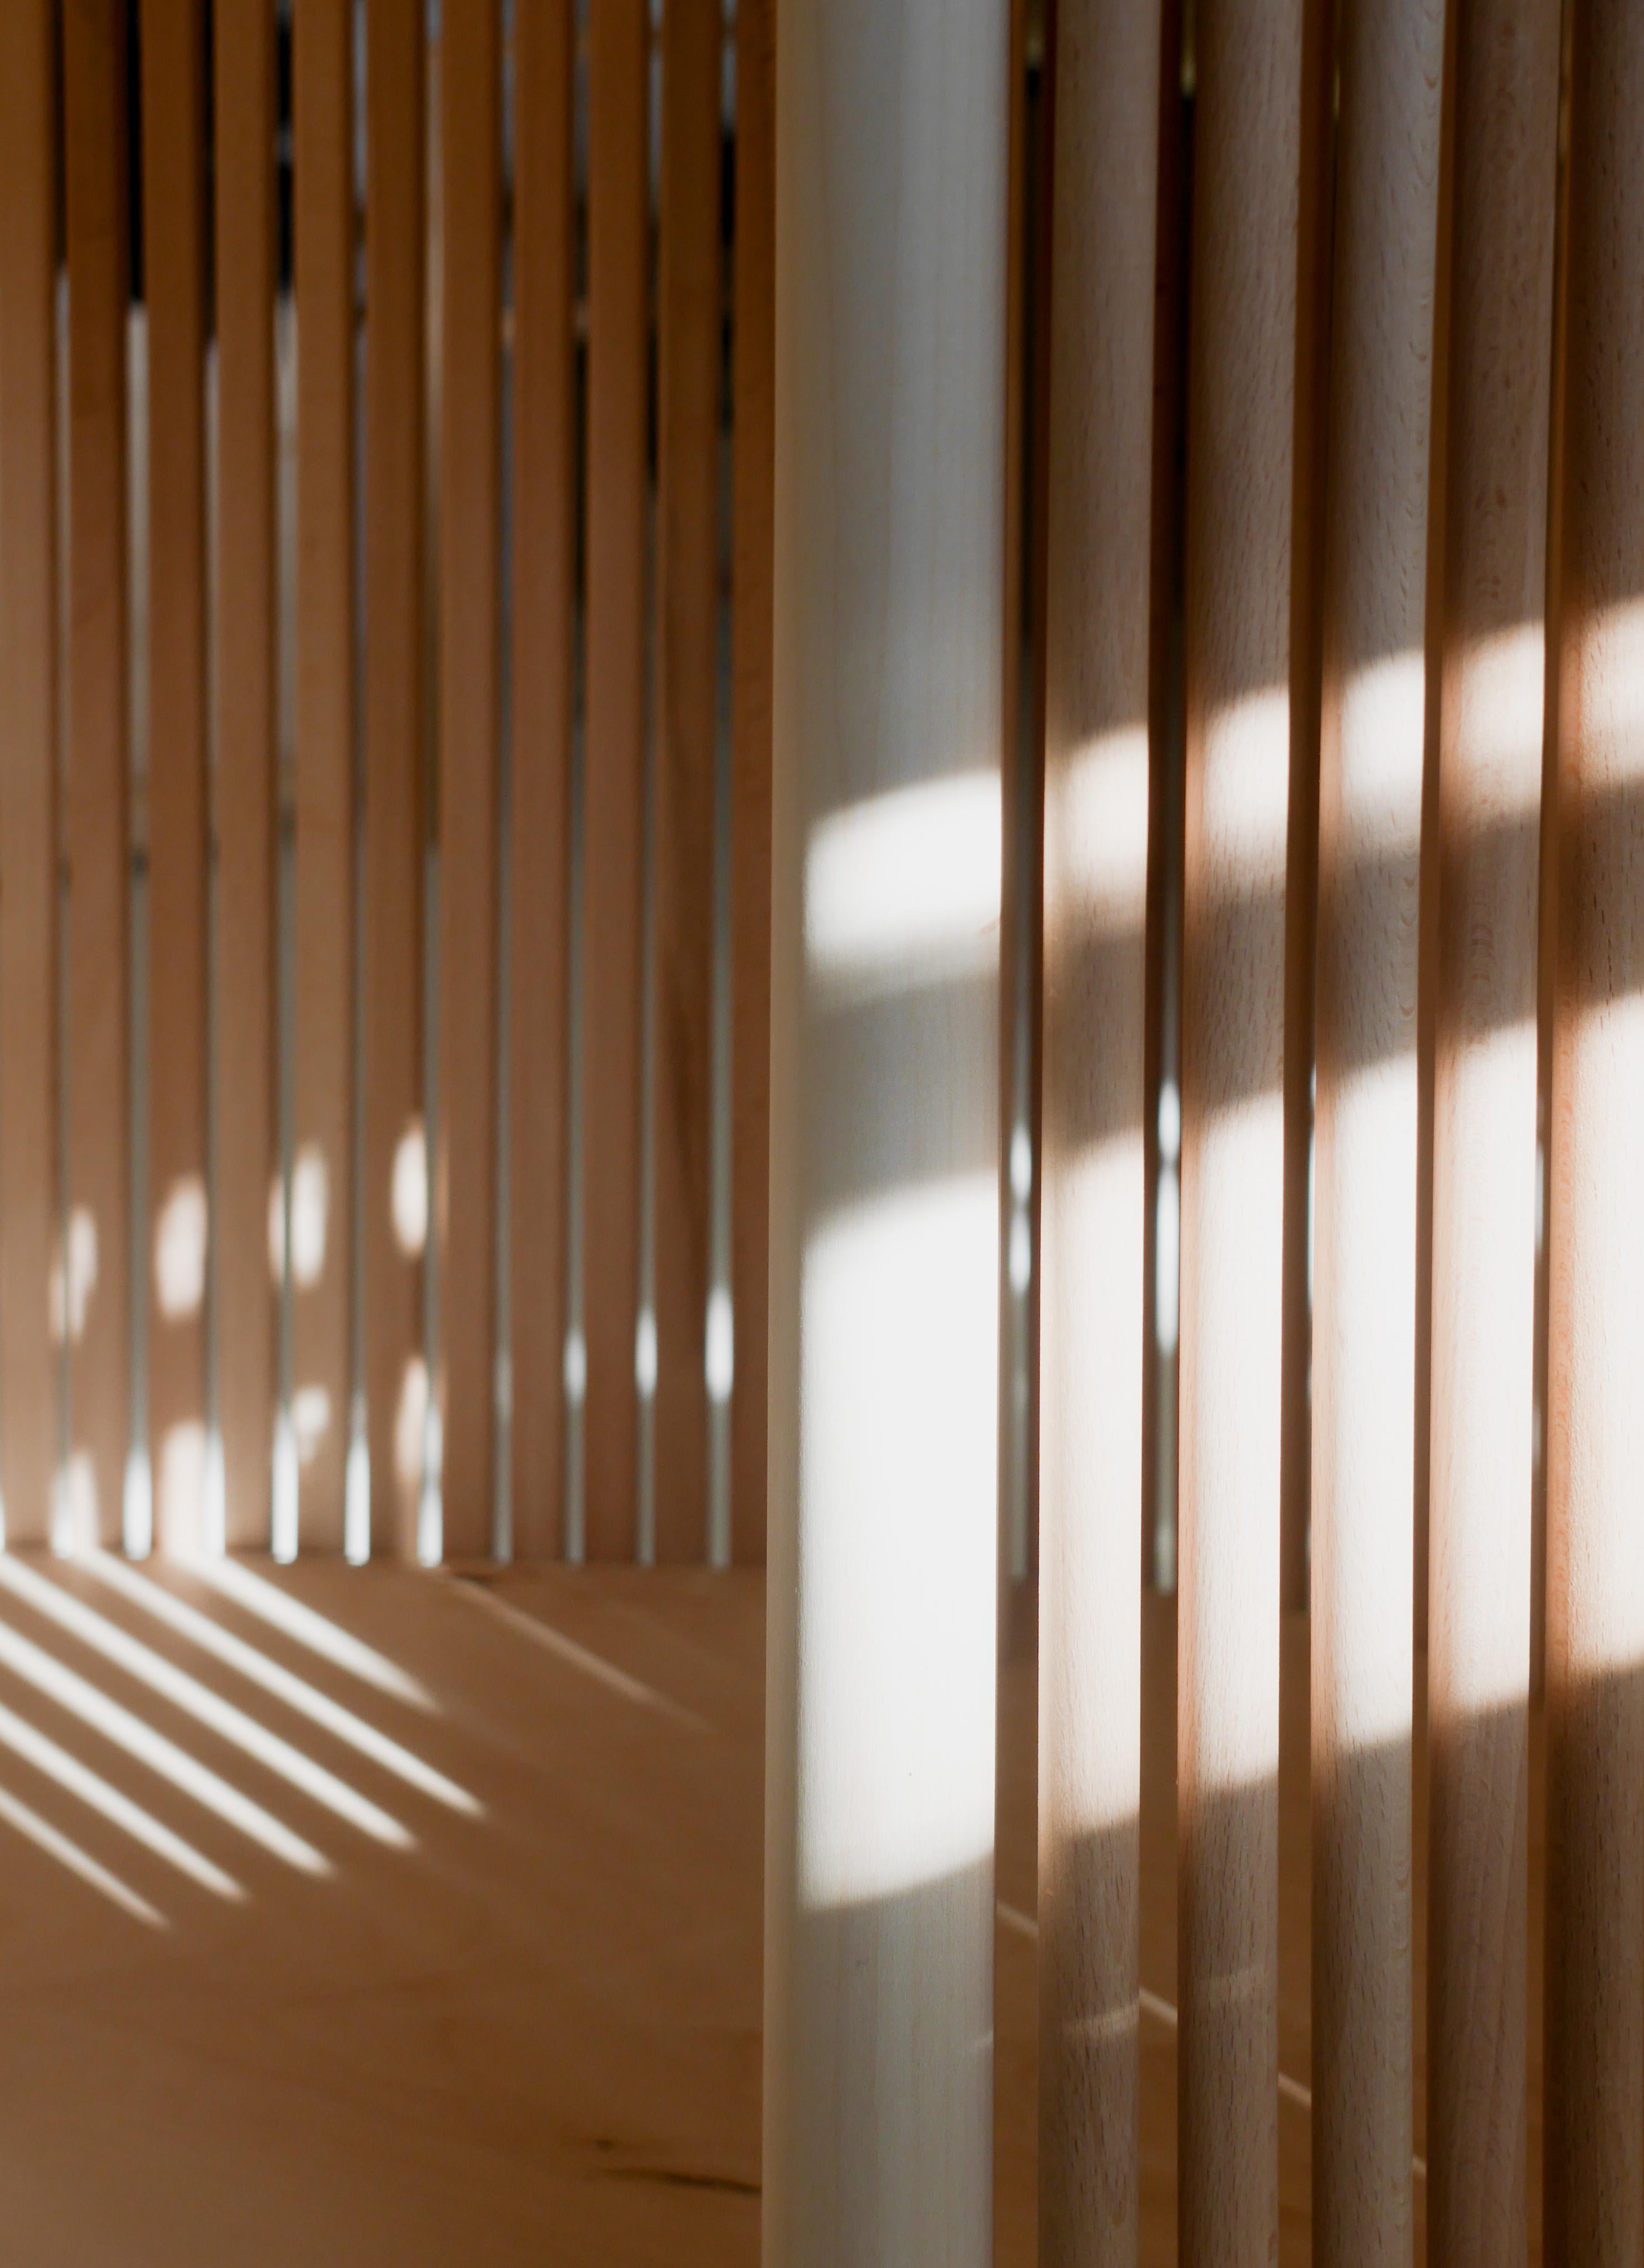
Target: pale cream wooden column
x: 1484, y: 1151
x: 1371, y: 749
x: 1595, y: 1978
x: 889, y: 492
x: 1247, y: 159
x: 1095, y: 1199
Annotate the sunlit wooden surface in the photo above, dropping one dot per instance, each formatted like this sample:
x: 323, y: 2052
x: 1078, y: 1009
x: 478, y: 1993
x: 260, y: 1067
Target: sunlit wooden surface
x: 533, y: 2034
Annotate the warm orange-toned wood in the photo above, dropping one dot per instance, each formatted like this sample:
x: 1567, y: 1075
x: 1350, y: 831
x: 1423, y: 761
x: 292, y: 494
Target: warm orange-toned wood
x: 1483, y: 1268
x: 1594, y: 1642
x: 752, y: 375
x: 614, y: 766
x: 1100, y: 443
x: 29, y: 1376
x: 1371, y: 748
x: 544, y: 514
x: 244, y: 758
x: 96, y: 1268
x: 174, y: 255
x: 1237, y: 687
x: 321, y: 1237
x: 465, y: 1208
x: 394, y: 1196
x: 688, y: 659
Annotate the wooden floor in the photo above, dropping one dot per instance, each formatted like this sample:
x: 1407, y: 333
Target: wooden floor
x: 493, y: 1992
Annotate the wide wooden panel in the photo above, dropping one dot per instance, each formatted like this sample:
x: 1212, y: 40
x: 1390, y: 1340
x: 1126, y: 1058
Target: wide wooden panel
x: 321, y: 1208
x: 244, y: 623
x: 1237, y: 685
x: 1594, y: 1640
x: 175, y: 276
x: 688, y: 627
x: 1485, y: 1164
x: 614, y: 758
x: 28, y: 766
x: 395, y: 1193
x: 753, y: 285
x: 465, y: 1200
x: 544, y: 591
x: 96, y: 1264
x: 1099, y: 442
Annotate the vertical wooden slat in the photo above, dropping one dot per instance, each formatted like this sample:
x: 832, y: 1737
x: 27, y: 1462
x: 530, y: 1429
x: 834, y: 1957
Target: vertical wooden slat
x: 1238, y: 678
x: 889, y: 485
x: 395, y: 639
x: 752, y: 390
x: 28, y: 764
x: 175, y: 276
x: 614, y: 789
x: 687, y: 598
x: 243, y: 54
x: 1484, y: 1263
x: 466, y: 1206
x: 1371, y: 745
x: 544, y: 597
x: 96, y: 1265
x: 1095, y: 894
x: 322, y: 1235
x: 1594, y: 1643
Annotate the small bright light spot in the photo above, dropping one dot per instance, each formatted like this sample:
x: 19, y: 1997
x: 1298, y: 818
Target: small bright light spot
x: 311, y: 1196
x: 576, y: 1368
x: 137, y: 1517
x: 1100, y: 818
x: 1021, y: 1255
x: 1246, y: 787
x: 357, y: 1497
x: 183, y: 1491
x: 1020, y: 1165
x: 310, y: 1420
x: 430, y: 1515
x: 904, y: 888
x: 721, y: 1350
x: 408, y: 1419
x: 645, y: 1354
x: 74, y: 1525
x: 180, y: 1244
x: 283, y: 1516
x: 1167, y: 1262
x: 409, y: 1196
x: 72, y: 1285
x: 1169, y: 1121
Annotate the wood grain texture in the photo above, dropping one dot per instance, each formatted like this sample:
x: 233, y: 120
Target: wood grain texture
x: 1237, y: 681
x: 396, y: 664
x: 1595, y: 1667
x: 687, y: 662
x: 1371, y: 748
x: 614, y: 766
x: 1096, y: 888
x: 29, y: 720
x: 174, y: 258
x: 753, y: 285
x: 1483, y: 1264
x: 465, y: 1207
x: 891, y: 142
x: 323, y: 1235
x: 245, y: 783
x: 97, y: 1266
x: 545, y: 598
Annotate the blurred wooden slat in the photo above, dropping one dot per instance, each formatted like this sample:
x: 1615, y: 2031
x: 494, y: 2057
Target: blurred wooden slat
x: 28, y: 765
x: 322, y: 1236
x: 614, y: 761
x: 1100, y: 443
x: 396, y: 670
x: 752, y: 381
x: 1484, y: 1265
x: 544, y: 661
x: 1371, y: 749
x: 1595, y: 1640
x: 465, y: 1211
x: 1237, y: 685
x: 245, y: 786
x: 688, y: 660
x: 175, y: 249
x: 97, y: 1265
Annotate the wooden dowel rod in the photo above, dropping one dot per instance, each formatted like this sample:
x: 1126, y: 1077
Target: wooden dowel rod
x: 1594, y: 2197
x: 1372, y: 739
x: 1095, y: 890
x: 890, y: 233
